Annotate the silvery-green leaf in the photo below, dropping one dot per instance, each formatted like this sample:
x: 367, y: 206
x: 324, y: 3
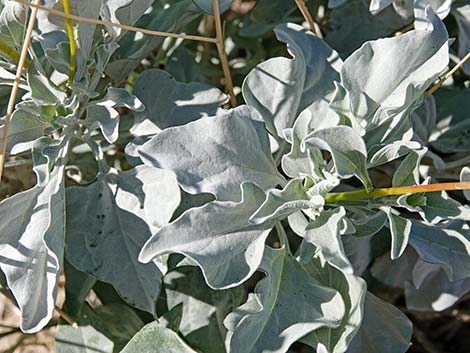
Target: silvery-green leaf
x: 218, y: 237
x: 452, y: 106
x: 400, y: 229
x: 394, y: 273
x: 439, y: 206
x: 105, y: 118
x: 31, y: 248
x: 203, y: 308
x: 156, y: 339
x: 207, y: 5
x: 183, y: 67
x: 121, y: 210
x: 286, y: 306
x: 132, y: 150
x: 455, y: 139
x: 407, y: 172
x: 8, y: 78
x: 83, y: 339
x: 347, y: 149
x: 56, y: 48
x: 431, y: 289
x: 115, y: 320
x: 216, y: 154
x: 358, y: 251
x: 335, y: 3
x: 353, y: 290
x: 102, y: 114
x: 160, y: 17
x: 268, y: 13
x: 102, y: 56
x: 369, y: 225
x: 13, y: 23
x: 384, y: 329
x: 324, y: 186
x: 462, y: 16
x: 119, y: 97
x: 84, y: 31
x: 191, y: 201
x: 446, y: 245
x: 280, y: 88
x: 298, y: 163
x: 48, y: 154
x: 123, y: 11
x: 412, y: 202
x: 390, y: 126
x: 281, y: 203
x: 24, y: 129
x: 324, y: 232
x: 378, y: 5
x: 424, y: 120
x: 43, y: 91
x: 465, y: 177
x: 172, y: 318
x: 440, y: 7
x: 352, y: 24
x: 393, y: 151
x: 78, y: 286
x: 172, y: 103
x: 378, y: 76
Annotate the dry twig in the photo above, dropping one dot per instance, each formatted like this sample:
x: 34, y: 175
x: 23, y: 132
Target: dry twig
x: 16, y: 84
x: 307, y: 16
x: 405, y: 29
x: 118, y: 25
x: 66, y: 317
x: 447, y: 75
x: 222, y: 53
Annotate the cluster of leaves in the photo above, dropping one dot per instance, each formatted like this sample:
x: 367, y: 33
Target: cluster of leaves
x: 199, y: 228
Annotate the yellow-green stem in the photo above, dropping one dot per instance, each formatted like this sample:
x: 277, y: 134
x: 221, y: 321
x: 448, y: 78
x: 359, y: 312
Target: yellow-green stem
x: 73, y: 45
x: 336, y: 197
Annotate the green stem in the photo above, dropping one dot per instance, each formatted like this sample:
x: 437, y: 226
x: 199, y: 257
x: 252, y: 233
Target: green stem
x: 11, y: 53
x: 283, y: 238
x: 335, y: 197
x: 73, y: 45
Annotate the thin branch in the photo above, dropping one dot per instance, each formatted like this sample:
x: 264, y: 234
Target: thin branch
x: 405, y: 29
x: 402, y: 190
x: 222, y: 53
x: 447, y: 75
x: 118, y: 25
x: 73, y: 45
x: 307, y: 16
x: 16, y: 84
x: 66, y: 317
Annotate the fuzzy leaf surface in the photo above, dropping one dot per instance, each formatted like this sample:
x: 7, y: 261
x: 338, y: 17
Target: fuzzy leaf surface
x: 121, y: 210
x: 286, y: 305
x: 216, y: 154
